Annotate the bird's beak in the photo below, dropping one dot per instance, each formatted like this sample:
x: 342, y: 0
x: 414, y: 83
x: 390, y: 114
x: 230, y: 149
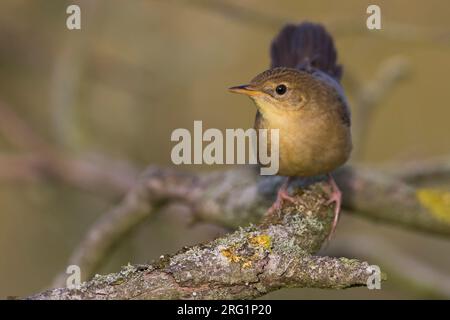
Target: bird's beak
x: 245, y: 89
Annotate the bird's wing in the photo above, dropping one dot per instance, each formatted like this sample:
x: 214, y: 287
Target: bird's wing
x: 344, y: 106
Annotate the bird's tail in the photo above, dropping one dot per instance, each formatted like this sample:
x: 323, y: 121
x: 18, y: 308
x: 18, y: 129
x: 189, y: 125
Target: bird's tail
x: 303, y: 46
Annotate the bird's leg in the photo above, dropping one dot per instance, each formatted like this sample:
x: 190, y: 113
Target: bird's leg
x: 335, y: 196
x: 282, y: 195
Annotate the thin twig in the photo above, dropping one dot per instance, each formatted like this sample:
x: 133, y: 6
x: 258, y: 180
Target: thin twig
x: 370, y: 96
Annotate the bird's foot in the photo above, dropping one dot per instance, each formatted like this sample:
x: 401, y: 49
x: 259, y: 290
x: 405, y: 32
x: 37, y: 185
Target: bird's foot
x: 335, y: 195
x: 282, y: 196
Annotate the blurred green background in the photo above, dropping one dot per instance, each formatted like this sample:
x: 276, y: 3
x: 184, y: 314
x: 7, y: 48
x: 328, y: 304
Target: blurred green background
x: 139, y: 69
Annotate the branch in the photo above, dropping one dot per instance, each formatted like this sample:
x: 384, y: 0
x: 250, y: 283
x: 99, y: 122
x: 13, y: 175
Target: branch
x: 93, y: 175
x: 240, y: 196
x: 368, y: 97
x: 405, y: 270
x: 245, y: 264
x: 40, y: 160
x: 386, y: 199
x: 18, y: 133
x: 435, y: 171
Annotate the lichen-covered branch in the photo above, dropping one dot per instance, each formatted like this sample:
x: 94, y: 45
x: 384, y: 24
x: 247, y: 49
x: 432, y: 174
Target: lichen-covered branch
x: 240, y: 196
x: 386, y: 199
x: 405, y: 271
x: 247, y: 263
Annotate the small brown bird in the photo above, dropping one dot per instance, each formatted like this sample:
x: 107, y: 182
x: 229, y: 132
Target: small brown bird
x: 302, y: 97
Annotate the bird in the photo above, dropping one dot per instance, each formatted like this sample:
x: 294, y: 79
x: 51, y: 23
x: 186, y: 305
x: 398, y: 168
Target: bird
x: 301, y: 95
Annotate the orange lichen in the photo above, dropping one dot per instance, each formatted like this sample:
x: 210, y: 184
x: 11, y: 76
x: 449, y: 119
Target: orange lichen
x: 229, y: 253
x: 262, y: 241
x: 250, y: 252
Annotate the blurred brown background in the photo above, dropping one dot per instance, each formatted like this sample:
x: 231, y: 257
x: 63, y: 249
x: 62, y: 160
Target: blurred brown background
x: 138, y: 69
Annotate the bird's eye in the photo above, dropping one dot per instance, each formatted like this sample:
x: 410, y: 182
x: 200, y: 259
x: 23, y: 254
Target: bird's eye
x: 280, y: 89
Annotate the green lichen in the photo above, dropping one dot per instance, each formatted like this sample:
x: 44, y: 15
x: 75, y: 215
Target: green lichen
x: 349, y: 262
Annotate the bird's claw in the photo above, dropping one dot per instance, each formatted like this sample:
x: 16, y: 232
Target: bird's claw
x: 282, y: 196
x: 336, y: 197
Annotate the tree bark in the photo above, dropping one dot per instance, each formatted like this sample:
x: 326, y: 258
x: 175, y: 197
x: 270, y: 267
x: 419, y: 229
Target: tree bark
x: 246, y: 264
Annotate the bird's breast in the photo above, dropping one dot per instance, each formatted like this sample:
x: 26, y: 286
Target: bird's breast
x: 309, y: 144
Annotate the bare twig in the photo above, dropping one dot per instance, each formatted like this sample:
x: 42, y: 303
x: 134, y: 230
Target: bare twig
x: 370, y: 96
x: 154, y: 188
x: 17, y: 132
x: 65, y: 79
x: 101, y: 177
x: 40, y: 160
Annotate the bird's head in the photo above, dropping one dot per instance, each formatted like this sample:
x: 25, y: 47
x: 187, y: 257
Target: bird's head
x: 278, y: 90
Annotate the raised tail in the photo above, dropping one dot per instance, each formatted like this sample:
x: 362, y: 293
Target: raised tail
x: 304, y: 46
